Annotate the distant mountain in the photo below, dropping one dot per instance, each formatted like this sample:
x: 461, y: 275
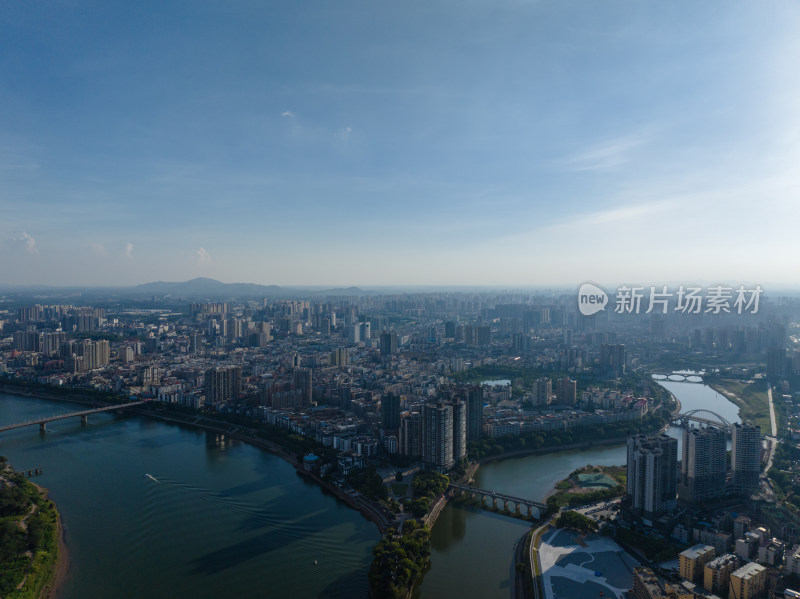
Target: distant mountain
x: 205, y: 287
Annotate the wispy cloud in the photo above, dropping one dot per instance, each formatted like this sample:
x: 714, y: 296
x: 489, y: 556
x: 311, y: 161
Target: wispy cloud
x: 203, y: 257
x: 607, y: 155
x: 287, y: 114
x: 30, y: 243
x: 129, y: 250
x: 98, y: 248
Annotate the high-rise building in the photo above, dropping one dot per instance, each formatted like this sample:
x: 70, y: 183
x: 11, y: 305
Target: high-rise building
x: 388, y: 343
x: 437, y: 435
x: 459, y: 430
x: 566, y: 391
x: 302, y: 387
x: 390, y: 412
x: 645, y: 584
x: 776, y: 363
x: 612, y: 358
x: 746, y: 458
x: 522, y: 343
x: 222, y: 384
x: 340, y: 357
x: 474, y: 398
x: 748, y: 582
x: 703, y: 464
x: 692, y: 560
x: 717, y: 573
x: 353, y: 334
x: 652, y: 475
x: 411, y: 434
x: 542, y: 390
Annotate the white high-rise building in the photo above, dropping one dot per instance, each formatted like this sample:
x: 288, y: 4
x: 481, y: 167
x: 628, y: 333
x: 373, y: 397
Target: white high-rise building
x: 437, y: 435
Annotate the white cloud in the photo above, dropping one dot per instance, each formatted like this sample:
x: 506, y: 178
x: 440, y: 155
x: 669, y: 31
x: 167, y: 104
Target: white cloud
x: 30, y: 243
x: 203, y: 257
x: 344, y: 134
x: 129, y: 250
x: 287, y: 114
x: 607, y: 155
x: 98, y: 248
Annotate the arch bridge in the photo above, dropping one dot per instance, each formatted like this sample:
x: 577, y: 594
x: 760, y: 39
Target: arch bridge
x: 676, y: 377
x: 701, y: 416
x: 482, y: 494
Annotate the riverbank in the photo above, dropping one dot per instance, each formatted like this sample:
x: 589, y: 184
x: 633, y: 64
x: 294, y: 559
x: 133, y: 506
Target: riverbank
x: 751, y: 397
x: 59, y: 574
x: 518, y: 453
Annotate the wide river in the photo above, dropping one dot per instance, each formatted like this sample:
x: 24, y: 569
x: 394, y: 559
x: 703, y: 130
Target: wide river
x: 224, y: 519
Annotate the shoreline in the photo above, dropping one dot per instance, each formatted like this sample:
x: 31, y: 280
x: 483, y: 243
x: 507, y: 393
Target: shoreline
x: 54, y: 587
x: 60, y: 570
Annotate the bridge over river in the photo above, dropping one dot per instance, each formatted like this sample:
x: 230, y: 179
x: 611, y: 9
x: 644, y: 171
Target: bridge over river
x: 83, y: 414
x: 706, y: 417
x: 519, y: 502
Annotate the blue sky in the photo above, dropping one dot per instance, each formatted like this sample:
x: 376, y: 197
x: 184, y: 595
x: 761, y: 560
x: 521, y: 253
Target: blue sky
x: 383, y: 142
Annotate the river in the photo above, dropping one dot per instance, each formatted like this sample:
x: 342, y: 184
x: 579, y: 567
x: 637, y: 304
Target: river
x: 227, y: 519
x: 472, y: 550
x: 222, y: 518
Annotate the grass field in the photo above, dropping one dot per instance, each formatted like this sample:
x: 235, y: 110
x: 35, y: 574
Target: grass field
x: 750, y: 396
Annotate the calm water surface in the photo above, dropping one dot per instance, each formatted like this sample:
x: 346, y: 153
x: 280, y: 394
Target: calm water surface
x: 223, y: 519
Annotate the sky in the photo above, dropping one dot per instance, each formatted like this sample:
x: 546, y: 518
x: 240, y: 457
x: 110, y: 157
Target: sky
x: 431, y: 142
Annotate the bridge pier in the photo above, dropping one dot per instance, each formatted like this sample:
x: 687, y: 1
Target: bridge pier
x: 42, y: 427
x: 517, y: 511
x: 84, y: 420
x: 505, y: 505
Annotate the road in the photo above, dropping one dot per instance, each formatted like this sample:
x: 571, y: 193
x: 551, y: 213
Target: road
x: 534, y: 557
x: 773, y: 442
x: 772, y: 421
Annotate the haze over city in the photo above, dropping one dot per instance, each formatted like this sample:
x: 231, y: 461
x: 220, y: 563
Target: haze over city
x: 436, y: 143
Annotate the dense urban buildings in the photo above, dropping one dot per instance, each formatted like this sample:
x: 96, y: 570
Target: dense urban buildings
x: 426, y: 380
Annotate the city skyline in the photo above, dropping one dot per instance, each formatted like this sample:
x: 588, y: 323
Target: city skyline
x: 444, y: 144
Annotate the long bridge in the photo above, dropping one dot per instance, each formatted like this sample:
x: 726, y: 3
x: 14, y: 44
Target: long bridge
x: 677, y: 377
x: 706, y: 417
x: 482, y: 494
x: 84, y: 415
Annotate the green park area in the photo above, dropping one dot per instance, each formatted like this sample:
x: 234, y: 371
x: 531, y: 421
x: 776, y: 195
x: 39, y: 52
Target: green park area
x: 28, y: 537
x: 750, y: 396
x: 589, y: 484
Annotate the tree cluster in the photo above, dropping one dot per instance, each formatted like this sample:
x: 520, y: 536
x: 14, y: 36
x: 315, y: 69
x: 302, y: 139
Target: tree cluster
x: 576, y: 520
x: 399, y: 561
